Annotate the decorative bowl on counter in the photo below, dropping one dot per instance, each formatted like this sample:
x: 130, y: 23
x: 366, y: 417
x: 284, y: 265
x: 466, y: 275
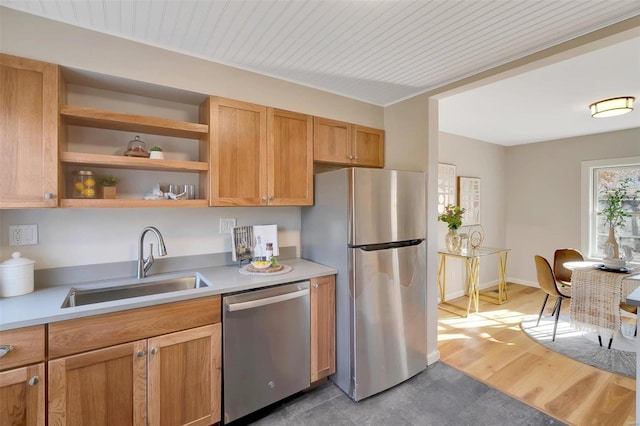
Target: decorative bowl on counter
x: 260, y: 264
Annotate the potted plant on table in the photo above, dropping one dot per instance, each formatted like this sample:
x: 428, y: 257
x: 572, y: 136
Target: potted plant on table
x: 615, y: 214
x: 452, y: 216
x: 108, y: 186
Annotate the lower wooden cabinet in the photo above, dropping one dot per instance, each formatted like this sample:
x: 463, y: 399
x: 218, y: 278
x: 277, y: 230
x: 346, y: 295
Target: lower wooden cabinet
x: 323, y: 327
x: 172, y: 379
x: 106, y: 386
x: 159, y: 365
x: 22, y: 379
x: 22, y: 396
x: 185, y: 377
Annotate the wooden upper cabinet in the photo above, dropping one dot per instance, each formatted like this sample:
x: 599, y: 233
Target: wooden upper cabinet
x: 259, y: 156
x: 238, y: 132
x: 28, y: 133
x: 290, y: 158
x: 337, y: 142
x: 367, y: 146
x: 331, y: 141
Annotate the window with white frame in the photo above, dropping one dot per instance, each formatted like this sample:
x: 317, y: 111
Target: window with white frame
x: 604, y: 176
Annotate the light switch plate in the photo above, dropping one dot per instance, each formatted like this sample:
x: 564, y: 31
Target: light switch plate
x: 23, y: 235
x: 226, y: 224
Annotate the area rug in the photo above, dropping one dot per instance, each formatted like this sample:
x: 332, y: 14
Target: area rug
x: 584, y: 347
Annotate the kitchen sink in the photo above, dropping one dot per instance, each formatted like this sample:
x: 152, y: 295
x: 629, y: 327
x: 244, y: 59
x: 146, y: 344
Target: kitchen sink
x: 88, y: 296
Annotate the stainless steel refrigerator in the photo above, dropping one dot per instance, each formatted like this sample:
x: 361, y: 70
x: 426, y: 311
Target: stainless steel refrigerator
x: 370, y: 225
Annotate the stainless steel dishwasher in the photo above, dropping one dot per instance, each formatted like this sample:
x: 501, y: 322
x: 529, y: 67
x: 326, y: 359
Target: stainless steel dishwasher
x: 266, y: 339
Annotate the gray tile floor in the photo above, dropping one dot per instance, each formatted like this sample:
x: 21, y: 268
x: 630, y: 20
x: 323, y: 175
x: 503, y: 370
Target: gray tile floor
x: 440, y: 395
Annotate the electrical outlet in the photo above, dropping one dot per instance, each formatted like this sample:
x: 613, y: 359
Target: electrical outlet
x: 23, y: 235
x: 226, y: 224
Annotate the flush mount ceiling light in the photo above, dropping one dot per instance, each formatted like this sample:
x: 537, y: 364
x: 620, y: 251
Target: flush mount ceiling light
x: 612, y: 107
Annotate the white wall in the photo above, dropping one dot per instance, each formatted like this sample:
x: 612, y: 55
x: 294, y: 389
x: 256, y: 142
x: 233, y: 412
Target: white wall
x: 407, y: 122
x: 544, y: 191
x: 531, y: 196
x: 72, y: 237
x: 487, y: 161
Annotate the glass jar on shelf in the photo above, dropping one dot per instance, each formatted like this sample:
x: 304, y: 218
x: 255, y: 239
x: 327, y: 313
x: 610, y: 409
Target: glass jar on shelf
x: 136, y: 148
x: 84, y: 184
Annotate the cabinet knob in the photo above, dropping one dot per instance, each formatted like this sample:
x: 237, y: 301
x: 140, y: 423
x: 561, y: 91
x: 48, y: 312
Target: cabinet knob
x: 350, y: 157
x: 154, y: 351
x: 5, y: 349
x: 34, y: 381
x: 140, y: 353
x: 315, y: 286
x: 264, y: 198
x: 48, y: 196
x: 271, y: 198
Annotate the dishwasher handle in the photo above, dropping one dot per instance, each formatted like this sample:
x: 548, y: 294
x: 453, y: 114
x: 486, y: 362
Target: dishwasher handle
x: 241, y: 306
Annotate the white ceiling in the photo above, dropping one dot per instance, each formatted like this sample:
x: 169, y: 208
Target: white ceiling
x: 550, y: 102
x: 384, y: 51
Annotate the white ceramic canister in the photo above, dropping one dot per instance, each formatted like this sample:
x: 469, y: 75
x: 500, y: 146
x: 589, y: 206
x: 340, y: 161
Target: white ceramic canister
x: 16, y: 276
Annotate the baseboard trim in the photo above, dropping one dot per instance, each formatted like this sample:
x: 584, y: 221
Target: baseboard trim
x: 433, y: 357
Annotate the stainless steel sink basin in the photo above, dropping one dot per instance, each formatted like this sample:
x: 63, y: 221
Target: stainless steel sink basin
x: 82, y: 296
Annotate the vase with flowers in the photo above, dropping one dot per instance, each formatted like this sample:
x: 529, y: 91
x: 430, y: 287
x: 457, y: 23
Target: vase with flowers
x: 452, y: 216
x: 615, y: 215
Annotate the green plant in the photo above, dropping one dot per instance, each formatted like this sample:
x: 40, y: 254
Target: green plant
x: 452, y: 216
x: 156, y: 148
x: 614, y: 213
x: 108, y: 180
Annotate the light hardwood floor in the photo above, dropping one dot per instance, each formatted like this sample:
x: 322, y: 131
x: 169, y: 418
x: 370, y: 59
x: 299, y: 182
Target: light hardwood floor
x: 491, y: 347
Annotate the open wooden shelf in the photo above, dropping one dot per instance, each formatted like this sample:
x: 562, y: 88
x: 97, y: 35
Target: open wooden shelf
x: 90, y: 117
x: 130, y: 203
x: 136, y: 163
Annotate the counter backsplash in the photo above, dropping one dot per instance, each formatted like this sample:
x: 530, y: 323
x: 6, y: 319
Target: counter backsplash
x: 104, y: 271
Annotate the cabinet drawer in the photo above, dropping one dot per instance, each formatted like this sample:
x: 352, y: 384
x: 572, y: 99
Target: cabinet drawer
x: 28, y: 346
x: 84, y: 334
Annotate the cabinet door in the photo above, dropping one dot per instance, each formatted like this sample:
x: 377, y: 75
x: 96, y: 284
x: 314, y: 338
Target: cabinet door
x: 101, y: 387
x: 331, y: 141
x: 29, y: 133
x: 323, y: 327
x: 238, y: 153
x: 368, y: 146
x: 290, y: 158
x: 22, y: 396
x: 185, y: 377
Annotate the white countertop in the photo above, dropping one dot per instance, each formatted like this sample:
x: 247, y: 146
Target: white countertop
x: 44, y: 305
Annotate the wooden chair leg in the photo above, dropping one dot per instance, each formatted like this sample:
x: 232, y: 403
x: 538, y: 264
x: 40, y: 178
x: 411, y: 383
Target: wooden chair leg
x: 542, y: 310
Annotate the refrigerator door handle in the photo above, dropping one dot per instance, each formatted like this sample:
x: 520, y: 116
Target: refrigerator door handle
x: 386, y: 246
